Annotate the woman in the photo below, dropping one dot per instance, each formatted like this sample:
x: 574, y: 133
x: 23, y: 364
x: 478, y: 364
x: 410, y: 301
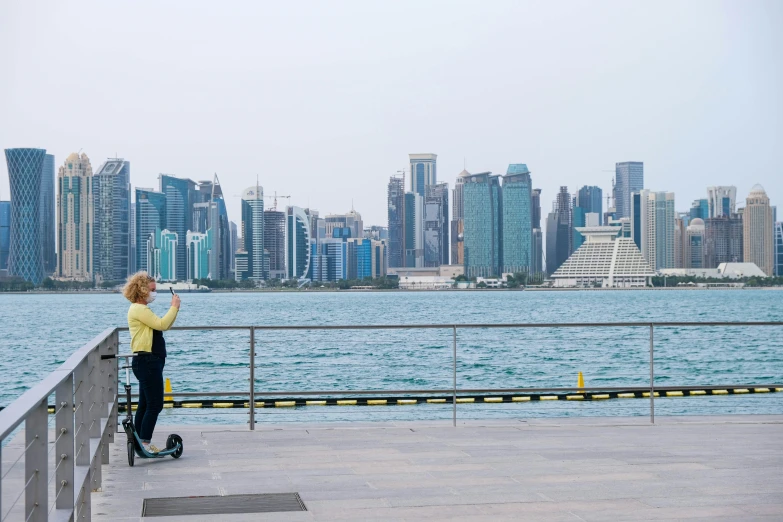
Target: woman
x: 146, y: 331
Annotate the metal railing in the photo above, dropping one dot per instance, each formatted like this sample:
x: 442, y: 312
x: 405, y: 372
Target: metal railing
x: 85, y: 390
x: 86, y: 406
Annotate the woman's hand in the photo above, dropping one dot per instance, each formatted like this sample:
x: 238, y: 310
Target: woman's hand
x: 175, y: 302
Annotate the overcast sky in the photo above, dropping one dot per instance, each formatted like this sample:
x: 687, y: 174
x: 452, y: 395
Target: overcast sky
x: 323, y: 101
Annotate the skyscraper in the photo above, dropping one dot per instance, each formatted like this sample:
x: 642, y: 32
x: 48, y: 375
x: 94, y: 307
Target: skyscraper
x: 436, y: 225
x: 758, y: 230
x: 629, y: 178
x: 48, y: 217
x: 700, y: 208
x: 653, y: 227
x: 253, y: 231
x: 693, y: 251
x: 538, y: 239
x: 198, y: 249
x: 458, y: 221
x: 423, y: 172
x: 75, y: 219
x: 413, y: 230
x: 351, y: 220
x: 5, y: 233
x: 778, y: 248
x: 150, y: 217
x: 590, y: 199
x: 181, y: 195
x: 297, y: 259
x: 26, y: 244
x: 395, y: 206
x: 234, y: 237
x: 559, y: 234
x: 274, y: 242
x: 111, y: 198
x: 517, y: 222
x: 721, y: 201
x: 162, y: 255
x: 221, y: 257
x: 483, y: 211
x: 723, y: 241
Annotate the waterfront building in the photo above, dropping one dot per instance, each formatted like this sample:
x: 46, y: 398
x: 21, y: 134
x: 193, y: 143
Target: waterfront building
x: 517, y: 226
x: 457, y: 230
x: 436, y: 225
x: 75, y: 219
x: 721, y: 201
x: 111, y: 196
x: 483, y: 211
x: 329, y: 258
x: 395, y: 205
x: 161, y: 251
x: 352, y: 220
x: 559, y: 234
x: 413, y: 230
x: 693, y: 247
x: 297, y: 242
x: 241, y: 268
x: 700, y: 209
x: 629, y: 178
x: 379, y: 266
x: 198, y: 250
x: 274, y: 242
x: 722, y: 271
x: 222, y: 257
x: 150, y: 217
x: 5, y: 234
x: 723, y: 240
x: 778, y: 247
x: 538, y: 252
x: 48, y: 216
x: 181, y: 195
x: 577, y: 221
x: 253, y: 231
x: 234, y: 245
x: 376, y: 233
x: 679, y: 241
x: 359, y: 258
x: 423, y: 172
x: 652, y: 223
x: 605, y: 260
x: 758, y: 230
x: 26, y: 244
x: 132, y: 234
x: 590, y: 198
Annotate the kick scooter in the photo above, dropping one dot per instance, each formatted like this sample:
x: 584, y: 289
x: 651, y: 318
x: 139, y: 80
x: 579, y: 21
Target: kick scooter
x: 135, y: 447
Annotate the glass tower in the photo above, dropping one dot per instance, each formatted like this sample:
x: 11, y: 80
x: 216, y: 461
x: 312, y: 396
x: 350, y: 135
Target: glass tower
x: 150, y: 216
x: 5, y: 233
x: 628, y: 178
x: 517, y: 220
x: 413, y: 234
x: 253, y: 231
x: 162, y: 255
x: 199, y: 246
x: 423, y: 172
x: 112, y: 217
x: 297, y: 243
x: 75, y: 218
x: 48, y: 219
x: 181, y: 195
x: 395, y: 204
x: 590, y: 199
x: 26, y: 244
x: 778, y: 247
x: 274, y: 242
x: 482, y: 207
x: 436, y: 225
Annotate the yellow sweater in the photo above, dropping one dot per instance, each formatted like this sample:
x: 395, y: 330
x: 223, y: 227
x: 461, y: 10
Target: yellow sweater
x: 141, y: 322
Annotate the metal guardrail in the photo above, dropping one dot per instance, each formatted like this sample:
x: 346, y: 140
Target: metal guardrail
x: 86, y: 387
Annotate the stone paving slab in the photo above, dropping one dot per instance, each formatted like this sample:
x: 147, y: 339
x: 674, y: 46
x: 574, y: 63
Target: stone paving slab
x: 690, y: 468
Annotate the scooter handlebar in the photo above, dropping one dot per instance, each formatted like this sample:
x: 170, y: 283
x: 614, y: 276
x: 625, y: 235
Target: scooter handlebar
x: 114, y: 356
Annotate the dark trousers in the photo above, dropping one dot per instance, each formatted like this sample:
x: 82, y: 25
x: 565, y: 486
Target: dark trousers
x: 148, y: 369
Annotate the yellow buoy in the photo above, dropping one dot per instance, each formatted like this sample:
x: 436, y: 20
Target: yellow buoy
x: 167, y: 389
x: 580, y: 382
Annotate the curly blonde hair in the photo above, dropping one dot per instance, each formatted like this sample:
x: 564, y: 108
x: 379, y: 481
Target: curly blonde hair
x: 137, y: 287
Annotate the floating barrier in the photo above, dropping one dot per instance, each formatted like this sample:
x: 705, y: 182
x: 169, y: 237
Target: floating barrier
x: 294, y: 402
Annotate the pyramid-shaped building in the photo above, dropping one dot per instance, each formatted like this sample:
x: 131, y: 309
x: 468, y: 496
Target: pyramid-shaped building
x: 605, y: 261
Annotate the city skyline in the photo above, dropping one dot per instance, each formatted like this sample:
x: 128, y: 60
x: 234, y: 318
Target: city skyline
x: 191, y: 125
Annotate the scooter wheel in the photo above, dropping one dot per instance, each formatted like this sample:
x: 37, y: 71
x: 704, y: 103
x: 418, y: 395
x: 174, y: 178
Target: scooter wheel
x: 131, y: 454
x: 172, y: 442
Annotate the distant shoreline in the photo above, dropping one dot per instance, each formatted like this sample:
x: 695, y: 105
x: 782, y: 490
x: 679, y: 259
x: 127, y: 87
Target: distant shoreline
x: 334, y: 290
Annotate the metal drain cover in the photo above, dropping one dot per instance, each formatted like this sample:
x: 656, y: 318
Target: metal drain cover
x: 261, y: 503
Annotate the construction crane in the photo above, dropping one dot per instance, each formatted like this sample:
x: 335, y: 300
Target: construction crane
x: 274, y: 198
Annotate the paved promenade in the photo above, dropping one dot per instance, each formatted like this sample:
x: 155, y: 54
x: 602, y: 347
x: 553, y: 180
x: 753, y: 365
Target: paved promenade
x: 693, y: 468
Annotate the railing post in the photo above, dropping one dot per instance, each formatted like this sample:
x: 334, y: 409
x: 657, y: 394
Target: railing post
x: 454, y: 379
x: 108, y: 393
x: 652, y: 377
x: 64, y: 461
x: 36, y: 474
x: 252, y: 378
x: 82, y: 435
x: 94, y: 401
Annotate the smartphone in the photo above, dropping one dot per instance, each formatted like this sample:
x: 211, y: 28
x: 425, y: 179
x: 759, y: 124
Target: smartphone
x: 171, y: 290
